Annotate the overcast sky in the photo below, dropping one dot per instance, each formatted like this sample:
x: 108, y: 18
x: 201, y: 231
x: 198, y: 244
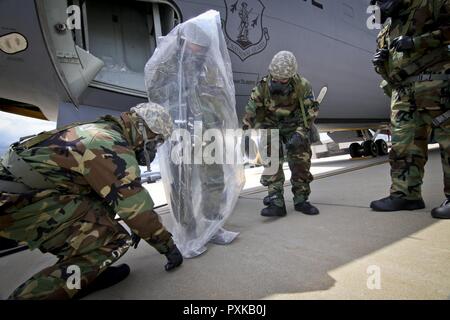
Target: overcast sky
x: 13, y: 127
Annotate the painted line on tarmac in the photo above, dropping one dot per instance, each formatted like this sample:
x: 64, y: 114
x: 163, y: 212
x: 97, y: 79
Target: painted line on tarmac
x: 320, y: 176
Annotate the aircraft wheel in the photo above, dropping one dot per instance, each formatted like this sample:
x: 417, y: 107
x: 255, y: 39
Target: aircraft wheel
x: 370, y: 148
x: 382, y: 147
x: 355, y: 150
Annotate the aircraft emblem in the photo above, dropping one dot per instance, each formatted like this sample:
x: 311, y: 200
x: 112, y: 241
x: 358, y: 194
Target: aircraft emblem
x: 243, y: 27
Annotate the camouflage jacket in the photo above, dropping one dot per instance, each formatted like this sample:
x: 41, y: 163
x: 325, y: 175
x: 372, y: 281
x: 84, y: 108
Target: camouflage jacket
x: 96, y: 159
x: 428, y: 22
x: 264, y: 111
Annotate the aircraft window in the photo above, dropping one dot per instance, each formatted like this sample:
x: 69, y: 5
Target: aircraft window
x: 123, y: 34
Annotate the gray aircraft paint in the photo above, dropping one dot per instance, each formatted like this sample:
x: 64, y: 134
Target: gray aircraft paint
x: 329, y: 37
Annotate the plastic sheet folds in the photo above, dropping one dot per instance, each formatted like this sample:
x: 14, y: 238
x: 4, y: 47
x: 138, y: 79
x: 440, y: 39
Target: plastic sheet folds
x: 190, y: 75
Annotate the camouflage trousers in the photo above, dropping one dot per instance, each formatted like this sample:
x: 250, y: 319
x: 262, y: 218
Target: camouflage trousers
x: 298, y: 156
x: 212, y: 179
x: 411, y: 130
x: 211, y: 187
x: 80, y: 231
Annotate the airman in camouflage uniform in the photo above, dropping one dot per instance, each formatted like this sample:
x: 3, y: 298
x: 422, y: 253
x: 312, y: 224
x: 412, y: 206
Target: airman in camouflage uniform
x: 413, y: 57
x: 285, y: 101
x: 202, y: 88
x: 91, y: 175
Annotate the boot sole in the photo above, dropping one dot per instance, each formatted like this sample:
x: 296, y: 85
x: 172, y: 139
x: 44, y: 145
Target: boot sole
x: 276, y: 216
x: 309, y: 214
x: 420, y: 207
x: 438, y: 216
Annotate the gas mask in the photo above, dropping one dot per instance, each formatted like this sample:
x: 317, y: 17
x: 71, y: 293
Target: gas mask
x: 140, y: 154
x: 388, y: 8
x: 280, y: 89
x: 194, y: 56
x: 147, y: 154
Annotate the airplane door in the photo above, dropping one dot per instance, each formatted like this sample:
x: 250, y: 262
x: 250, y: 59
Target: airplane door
x: 75, y: 67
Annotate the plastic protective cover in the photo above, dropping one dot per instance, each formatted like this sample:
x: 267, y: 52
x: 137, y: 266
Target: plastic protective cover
x: 190, y: 75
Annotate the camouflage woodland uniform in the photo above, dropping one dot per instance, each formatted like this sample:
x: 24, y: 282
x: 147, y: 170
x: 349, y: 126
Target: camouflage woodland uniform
x: 266, y: 111
x: 415, y: 102
x: 95, y: 176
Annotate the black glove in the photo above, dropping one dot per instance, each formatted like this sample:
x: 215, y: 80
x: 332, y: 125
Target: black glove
x: 380, y: 57
x: 174, y: 258
x: 136, y: 239
x: 402, y: 44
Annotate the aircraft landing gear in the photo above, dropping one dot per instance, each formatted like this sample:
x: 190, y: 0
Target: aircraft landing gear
x: 366, y: 149
x: 369, y: 148
x: 355, y: 150
x: 383, y: 148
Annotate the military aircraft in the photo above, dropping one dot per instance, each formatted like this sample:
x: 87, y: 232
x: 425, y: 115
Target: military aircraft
x: 73, y: 60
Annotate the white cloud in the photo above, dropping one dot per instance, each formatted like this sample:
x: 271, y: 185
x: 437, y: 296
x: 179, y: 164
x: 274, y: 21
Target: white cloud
x: 13, y: 127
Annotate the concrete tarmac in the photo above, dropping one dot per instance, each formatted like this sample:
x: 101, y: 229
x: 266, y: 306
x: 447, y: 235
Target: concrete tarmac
x: 347, y: 252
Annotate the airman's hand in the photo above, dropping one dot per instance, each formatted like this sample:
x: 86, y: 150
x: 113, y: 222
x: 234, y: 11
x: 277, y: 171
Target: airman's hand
x: 403, y: 44
x: 380, y: 57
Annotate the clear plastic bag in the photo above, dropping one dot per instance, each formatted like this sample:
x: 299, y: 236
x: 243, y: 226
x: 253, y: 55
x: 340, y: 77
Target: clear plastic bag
x: 190, y: 75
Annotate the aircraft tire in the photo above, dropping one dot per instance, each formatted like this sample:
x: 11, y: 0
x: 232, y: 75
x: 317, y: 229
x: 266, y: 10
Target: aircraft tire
x: 355, y: 150
x: 383, y: 148
x: 370, y: 148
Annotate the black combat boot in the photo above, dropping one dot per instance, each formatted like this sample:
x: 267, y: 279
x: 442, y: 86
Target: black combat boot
x: 6, y: 244
x: 442, y: 212
x: 274, y: 211
x: 391, y: 204
x: 307, y: 208
x: 108, y: 278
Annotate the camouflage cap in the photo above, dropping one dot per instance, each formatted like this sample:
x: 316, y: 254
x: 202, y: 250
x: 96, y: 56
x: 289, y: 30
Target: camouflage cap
x: 193, y: 33
x: 283, y: 65
x: 156, y: 118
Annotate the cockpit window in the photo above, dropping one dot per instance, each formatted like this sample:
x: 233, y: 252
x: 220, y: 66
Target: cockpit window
x: 124, y: 35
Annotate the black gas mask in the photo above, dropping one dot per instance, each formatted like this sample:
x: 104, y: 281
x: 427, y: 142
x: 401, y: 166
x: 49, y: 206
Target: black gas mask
x: 147, y: 153
x: 388, y: 8
x: 150, y: 148
x: 278, y: 88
